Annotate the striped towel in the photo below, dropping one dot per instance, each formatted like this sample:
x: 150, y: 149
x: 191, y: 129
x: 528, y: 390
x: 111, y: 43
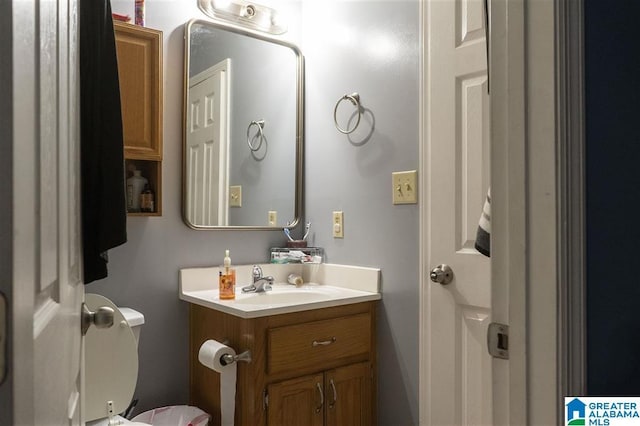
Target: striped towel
x: 483, y: 237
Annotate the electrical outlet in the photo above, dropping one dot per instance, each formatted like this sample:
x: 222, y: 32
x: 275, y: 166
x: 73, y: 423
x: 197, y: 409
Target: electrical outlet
x: 405, y: 187
x: 235, y: 196
x: 338, y: 225
x: 273, y: 218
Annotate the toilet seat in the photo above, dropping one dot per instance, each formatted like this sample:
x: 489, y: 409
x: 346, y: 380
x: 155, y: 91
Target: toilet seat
x: 111, y: 365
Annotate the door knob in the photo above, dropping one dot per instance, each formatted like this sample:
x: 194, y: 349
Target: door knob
x: 442, y: 274
x: 101, y: 318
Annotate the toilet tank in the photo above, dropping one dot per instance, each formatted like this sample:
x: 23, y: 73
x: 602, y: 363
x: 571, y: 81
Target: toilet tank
x: 135, y: 320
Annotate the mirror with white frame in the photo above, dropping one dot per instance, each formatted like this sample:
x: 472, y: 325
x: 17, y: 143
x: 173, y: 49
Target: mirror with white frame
x: 243, y: 129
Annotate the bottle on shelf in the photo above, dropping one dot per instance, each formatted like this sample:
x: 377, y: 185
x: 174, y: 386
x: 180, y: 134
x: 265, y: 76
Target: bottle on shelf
x: 147, y: 204
x: 135, y: 186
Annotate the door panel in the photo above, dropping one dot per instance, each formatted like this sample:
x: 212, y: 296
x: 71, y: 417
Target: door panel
x: 207, y: 147
x: 297, y: 402
x: 457, y: 367
x: 48, y: 291
x: 348, y: 395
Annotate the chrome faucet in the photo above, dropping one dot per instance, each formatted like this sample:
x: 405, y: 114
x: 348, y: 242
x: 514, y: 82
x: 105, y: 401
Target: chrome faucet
x: 260, y: 283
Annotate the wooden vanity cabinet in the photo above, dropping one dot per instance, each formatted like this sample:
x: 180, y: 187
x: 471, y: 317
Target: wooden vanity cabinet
x: 139, y: 52
x: 308, y: 368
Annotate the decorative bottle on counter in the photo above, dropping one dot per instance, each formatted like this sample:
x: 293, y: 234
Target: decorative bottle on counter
x: 135, y: 185
x: 227, y: 283
x: 146, y: 200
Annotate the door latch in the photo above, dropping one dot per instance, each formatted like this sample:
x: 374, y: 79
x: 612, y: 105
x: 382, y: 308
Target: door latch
x: 498, y: 340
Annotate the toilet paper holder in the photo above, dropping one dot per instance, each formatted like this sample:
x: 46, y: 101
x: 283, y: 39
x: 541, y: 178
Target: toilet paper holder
x: 227, y: 359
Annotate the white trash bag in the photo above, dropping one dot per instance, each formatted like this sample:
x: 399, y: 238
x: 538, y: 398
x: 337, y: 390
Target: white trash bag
x: 174, y: 415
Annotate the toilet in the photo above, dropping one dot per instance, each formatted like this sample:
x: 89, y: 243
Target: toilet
x: 111, y: 365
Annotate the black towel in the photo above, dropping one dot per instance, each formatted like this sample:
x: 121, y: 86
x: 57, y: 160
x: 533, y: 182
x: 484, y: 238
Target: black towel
x: 104, y: 216
x: 483, y: 236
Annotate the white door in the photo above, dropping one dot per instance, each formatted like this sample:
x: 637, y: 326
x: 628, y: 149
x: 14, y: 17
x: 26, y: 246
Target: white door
x: 47, y: 294
x: 207, y: 146
x: 455, y: 365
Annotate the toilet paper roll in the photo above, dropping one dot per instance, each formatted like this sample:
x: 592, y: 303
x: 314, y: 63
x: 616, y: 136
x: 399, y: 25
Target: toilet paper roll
x: 210, y: 355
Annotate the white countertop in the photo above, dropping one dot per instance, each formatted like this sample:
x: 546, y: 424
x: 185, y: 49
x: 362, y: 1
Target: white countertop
x: 326, y: 285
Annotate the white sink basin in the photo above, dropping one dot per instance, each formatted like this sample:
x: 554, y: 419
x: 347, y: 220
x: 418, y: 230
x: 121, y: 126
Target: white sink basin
x: 195, y: 287
x: 279, y: 296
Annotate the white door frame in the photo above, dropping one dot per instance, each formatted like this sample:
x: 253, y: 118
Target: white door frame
x: 508, y: 206
x: 570, y: 128
x: 529, y: 241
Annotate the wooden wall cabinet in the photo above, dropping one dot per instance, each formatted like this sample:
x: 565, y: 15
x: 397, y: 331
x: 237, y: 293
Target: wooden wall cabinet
x: 308, y: 368
x: 139, y: 51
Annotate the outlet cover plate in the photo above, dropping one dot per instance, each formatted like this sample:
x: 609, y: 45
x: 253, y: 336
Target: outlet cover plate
x: 235, y: 196
x: 273, y: 218
x: 338, y: 225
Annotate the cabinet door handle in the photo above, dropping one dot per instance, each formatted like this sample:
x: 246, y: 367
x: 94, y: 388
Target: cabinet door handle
x: 323, y: 342
x: 335, y: 394
x: 319, y: 407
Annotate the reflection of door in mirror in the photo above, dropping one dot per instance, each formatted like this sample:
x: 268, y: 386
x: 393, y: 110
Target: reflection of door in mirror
x: 208, y: 146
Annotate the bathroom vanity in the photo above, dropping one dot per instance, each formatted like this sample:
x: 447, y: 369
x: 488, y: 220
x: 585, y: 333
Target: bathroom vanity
x: 313, y: 361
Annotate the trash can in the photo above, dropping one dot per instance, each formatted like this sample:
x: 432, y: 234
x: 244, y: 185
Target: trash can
x: 174, y: 415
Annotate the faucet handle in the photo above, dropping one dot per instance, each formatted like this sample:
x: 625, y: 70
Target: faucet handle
x: 257, y: 272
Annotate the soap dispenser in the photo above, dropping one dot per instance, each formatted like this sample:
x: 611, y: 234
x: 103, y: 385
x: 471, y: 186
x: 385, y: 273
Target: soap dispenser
x: 227, y: 279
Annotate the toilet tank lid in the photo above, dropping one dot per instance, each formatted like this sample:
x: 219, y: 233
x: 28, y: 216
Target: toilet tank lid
x: 133, y: 317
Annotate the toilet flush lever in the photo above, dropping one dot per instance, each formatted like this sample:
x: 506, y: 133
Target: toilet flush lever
x: 101, y: 318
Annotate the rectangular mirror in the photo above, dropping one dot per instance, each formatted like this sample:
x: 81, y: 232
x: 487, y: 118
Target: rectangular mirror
x: 243, y: 119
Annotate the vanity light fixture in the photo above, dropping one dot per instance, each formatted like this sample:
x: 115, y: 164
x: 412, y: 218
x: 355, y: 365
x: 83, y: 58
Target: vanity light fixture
x: 244, y: 13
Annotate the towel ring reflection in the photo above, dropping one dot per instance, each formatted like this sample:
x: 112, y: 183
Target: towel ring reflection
x: 260, y: 124
x: 355, y: 100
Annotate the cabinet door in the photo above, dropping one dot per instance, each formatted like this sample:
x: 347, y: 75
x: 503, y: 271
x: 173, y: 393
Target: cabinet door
x: 297, y: 402
x: 348, y: 395
x: 140, y: 71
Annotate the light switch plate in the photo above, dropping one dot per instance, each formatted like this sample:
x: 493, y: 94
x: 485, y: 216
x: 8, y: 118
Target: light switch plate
x: 338, y: 225
x: 235, y: 196
x: 405, y: 187
x: 273, y: 218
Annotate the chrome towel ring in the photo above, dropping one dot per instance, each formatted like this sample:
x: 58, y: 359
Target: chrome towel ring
x: 260, y: 124
x: 354, y: 98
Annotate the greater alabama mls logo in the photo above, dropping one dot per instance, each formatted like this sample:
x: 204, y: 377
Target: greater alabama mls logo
x: 595, y: 411
x: 575, y: 412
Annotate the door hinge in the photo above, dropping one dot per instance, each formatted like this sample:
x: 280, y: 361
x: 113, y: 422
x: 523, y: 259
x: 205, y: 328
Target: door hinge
x: 265, y: 400
x: 498, y: 340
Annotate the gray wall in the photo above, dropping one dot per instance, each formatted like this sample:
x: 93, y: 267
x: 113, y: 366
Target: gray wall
x: 365, y: 46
